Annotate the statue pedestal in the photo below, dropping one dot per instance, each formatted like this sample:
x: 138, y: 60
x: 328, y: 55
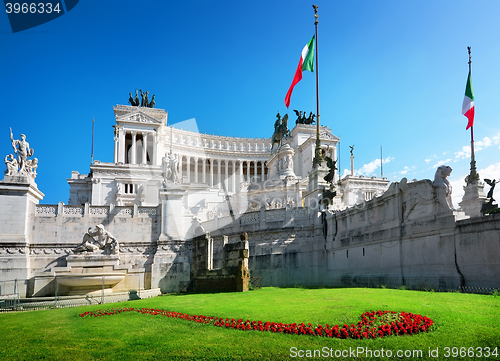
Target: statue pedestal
x: 312, y: 196
x: 171, y: 212
x: 473, y: 199
x: 280, y: 164
x: 18, y: 199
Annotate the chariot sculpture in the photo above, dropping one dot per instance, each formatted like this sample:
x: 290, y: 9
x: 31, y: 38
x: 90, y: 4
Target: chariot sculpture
x: 144, y: 102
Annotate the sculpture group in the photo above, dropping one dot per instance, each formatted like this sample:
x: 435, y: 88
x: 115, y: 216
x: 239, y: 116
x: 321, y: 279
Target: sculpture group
x: 18, y: 163
x: 301, y: 117
x: 144, y: 102
x: 100, y: 239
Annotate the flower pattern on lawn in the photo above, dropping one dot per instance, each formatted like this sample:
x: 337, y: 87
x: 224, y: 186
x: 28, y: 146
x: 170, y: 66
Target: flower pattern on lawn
x: 373, y: 324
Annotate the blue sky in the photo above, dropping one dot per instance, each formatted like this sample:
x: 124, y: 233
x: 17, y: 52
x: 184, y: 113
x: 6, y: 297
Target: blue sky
x: 392, y: 73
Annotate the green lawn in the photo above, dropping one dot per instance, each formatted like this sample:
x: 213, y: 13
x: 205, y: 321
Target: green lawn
x: 460, y: 320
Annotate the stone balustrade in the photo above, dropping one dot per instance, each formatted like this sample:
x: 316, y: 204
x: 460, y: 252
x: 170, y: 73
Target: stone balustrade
x: 263, y: 219
x: 61, y: 209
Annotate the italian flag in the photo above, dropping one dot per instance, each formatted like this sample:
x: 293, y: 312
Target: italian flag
x: 468, y: 104
x: 306, y: 63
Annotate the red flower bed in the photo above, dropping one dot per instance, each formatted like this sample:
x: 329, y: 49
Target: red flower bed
x: 373, y: 324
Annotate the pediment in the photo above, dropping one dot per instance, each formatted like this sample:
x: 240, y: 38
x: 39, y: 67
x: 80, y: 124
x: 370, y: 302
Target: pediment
x: 137, y: 117
x: 328, y: 135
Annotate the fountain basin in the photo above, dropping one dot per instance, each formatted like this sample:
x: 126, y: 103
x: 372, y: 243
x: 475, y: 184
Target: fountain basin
x: 89, y: 279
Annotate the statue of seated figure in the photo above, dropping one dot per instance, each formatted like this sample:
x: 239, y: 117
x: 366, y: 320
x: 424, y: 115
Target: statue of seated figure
x: 100, y: 239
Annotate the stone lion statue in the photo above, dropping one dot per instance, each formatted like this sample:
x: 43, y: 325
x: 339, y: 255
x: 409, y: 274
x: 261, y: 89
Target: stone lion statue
x: 443, y: 186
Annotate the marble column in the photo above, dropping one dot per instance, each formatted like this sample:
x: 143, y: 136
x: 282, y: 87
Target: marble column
x: 155, y: 139
x: 262, y: 169
x: 188, y: 169
x: 196, y: 170
x: 121, y: 145
x: 134, y: 146
x: 115, y: 159
x: 204, y: 176
x: 233, y: 176
x: 211, y: 175
x: 218, y: 173
x: 240, y: 166
x: 144, y: 159
x: 242, y: 176
x: 226, y: 180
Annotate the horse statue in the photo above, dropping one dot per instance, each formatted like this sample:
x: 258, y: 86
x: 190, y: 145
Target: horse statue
x: 280, y: 130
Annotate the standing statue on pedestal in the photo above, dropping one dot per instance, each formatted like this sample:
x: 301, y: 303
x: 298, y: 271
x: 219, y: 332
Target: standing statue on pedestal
x: 102, y: 239
x: 20, y: 165
x: 170, y: 164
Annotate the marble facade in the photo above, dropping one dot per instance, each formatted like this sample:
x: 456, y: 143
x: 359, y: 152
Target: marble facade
x: 166, y: 184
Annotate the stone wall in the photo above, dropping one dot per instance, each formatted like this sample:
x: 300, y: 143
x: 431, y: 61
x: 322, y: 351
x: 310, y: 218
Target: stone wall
x: 407, y: 237
x: 233, y: 276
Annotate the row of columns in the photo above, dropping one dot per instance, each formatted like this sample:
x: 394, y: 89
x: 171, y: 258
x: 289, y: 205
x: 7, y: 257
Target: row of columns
x: 120, y: 150
x: 186, y: 162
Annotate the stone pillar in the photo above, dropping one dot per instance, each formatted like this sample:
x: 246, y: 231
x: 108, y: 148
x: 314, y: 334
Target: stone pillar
x: 196, y: 170
x: 121, y: 145
x: 226, y: 171
x: 171, y: 263
x: 241, y: 174
x: 115, y: 158
x: 233, y: 177
x: 204, y: 176
x: 263, y: 170
x: 218, y: 174
x: 171, y: 213
x: 473, y: 199
x: 352, y: 165
x: 211, y: 180
x: 155, y: 152
x: 188, y: 169
x: 144, y: 148
x: 134, y: 146
x: 19, y: 196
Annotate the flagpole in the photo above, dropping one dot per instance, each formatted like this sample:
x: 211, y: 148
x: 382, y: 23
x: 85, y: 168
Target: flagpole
x: 473, y: 176
x: 318, y: 156
x: 92, y: 150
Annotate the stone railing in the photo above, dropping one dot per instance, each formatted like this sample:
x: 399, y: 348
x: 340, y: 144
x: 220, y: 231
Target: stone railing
x: 282, y: 217
x: 43, y: 210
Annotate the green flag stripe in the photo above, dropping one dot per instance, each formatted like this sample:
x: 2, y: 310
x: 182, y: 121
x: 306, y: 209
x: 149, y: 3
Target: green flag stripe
x: 468, y: 88
x: 308, y: 63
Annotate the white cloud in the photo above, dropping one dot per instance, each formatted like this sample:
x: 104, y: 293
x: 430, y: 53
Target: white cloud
x: 457, y: 190
x: 369, y: 169
x: 406, y: 169
x: 492, y: 172
x: 480, y: 144
x: 428, y: 160
x: 464, y: 153
x: 441, y: 162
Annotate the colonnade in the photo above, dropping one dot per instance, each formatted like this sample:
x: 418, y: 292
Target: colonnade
x: 221, y: 173
x: 122, y: 145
